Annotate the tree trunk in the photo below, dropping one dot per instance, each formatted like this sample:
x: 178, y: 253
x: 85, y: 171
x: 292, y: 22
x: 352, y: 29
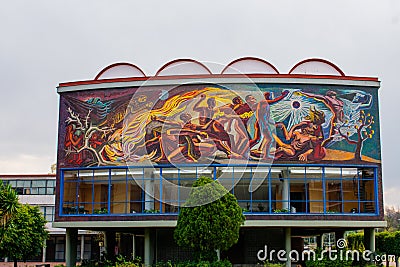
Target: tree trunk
x: 357, y: 152
x: 15, y: 263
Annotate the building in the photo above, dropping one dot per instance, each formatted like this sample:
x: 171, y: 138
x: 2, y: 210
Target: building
x: 39, y: 190
x: 300, y: 151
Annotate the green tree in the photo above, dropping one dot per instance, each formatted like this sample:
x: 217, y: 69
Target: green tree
x: 25, y: 235
x: 210, y: 227
x: 8, y: 207
x: 356, y: 241
x: 392, y: 216
x: 386, y: 243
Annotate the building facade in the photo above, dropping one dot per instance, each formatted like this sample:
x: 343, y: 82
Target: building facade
x: 300, y: 151
x: 39, y: 190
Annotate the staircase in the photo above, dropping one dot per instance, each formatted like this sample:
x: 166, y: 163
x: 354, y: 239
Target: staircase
x: 361, y: 194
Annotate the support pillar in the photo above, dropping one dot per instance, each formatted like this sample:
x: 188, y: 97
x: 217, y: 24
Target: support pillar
x: 133, y: 246
x: 148, y: 247
x: 369, y: 239
x: 285, y: 190
x: 288, y: 245
x: 82, y: 246
x: 110, y: 245
x: 285, y: 195
x: 44, y: 254
x: 318, y: 240
x: 71, y: 241
x: 149, y: 193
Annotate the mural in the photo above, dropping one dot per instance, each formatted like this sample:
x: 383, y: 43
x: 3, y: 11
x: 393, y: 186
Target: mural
x: 237, y: 123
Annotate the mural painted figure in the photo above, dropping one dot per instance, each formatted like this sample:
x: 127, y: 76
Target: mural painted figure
x: 306, y: 139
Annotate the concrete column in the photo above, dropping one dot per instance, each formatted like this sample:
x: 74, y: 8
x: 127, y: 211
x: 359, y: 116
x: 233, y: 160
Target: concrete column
x: 82, y: 246
x: 369, y: 239
x: 103, y: 249
x: 110, y: 244
x: 148, y: 247
x: 71, y: 240
x: 288, y: 245
x: 44, y: 254
x: 149, y: 194
x: 319, y: 241
x: 133, y: 247
x: 285, y: 195
x: 285, y: 190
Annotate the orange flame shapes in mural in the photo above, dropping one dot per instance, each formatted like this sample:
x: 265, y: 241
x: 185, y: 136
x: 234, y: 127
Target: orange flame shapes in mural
x: 136, y: 121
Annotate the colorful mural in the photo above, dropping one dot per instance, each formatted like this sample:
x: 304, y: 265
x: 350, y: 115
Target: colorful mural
x: 236, y: 123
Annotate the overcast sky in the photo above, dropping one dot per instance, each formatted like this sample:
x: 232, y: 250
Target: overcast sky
x: 45, y: 42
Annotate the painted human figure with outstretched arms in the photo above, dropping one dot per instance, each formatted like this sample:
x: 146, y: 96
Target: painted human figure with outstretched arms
x: 333, y: 103
x: 263, y: 123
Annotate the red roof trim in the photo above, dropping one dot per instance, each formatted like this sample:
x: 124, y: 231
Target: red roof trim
x: 115, y: 65
x: 317, y: 60
x: 183, y: 60
x: 250, y: 58
x: 176, y: 77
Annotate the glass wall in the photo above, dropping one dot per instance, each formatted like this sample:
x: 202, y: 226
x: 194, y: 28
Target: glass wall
x: 279, y: 189
x: 33, y: 187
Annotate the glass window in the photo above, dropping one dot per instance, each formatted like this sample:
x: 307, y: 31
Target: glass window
x: 39, y: 183
x: 49, y: 191
x: 70, y: 175
x: 42, y: 191
x: 60, y: 248
x: 241, y: 190
x: 20, y: 183
x: 87, y: 248
x: 333, y: 195
x: 100, y: 188
x: 48, y: 212
x: 118, y: 195
x: 135, y: 195
x: 315, y: 189
x: 307, y: 189
x: 51, y: 183
x: 260, y: 200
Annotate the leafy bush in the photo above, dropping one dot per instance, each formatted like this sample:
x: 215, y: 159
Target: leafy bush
x: 100, y: 211
x: 326, y: 262
x: 356, y: 241
x: 121, y: 261
x: 281, y: 211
